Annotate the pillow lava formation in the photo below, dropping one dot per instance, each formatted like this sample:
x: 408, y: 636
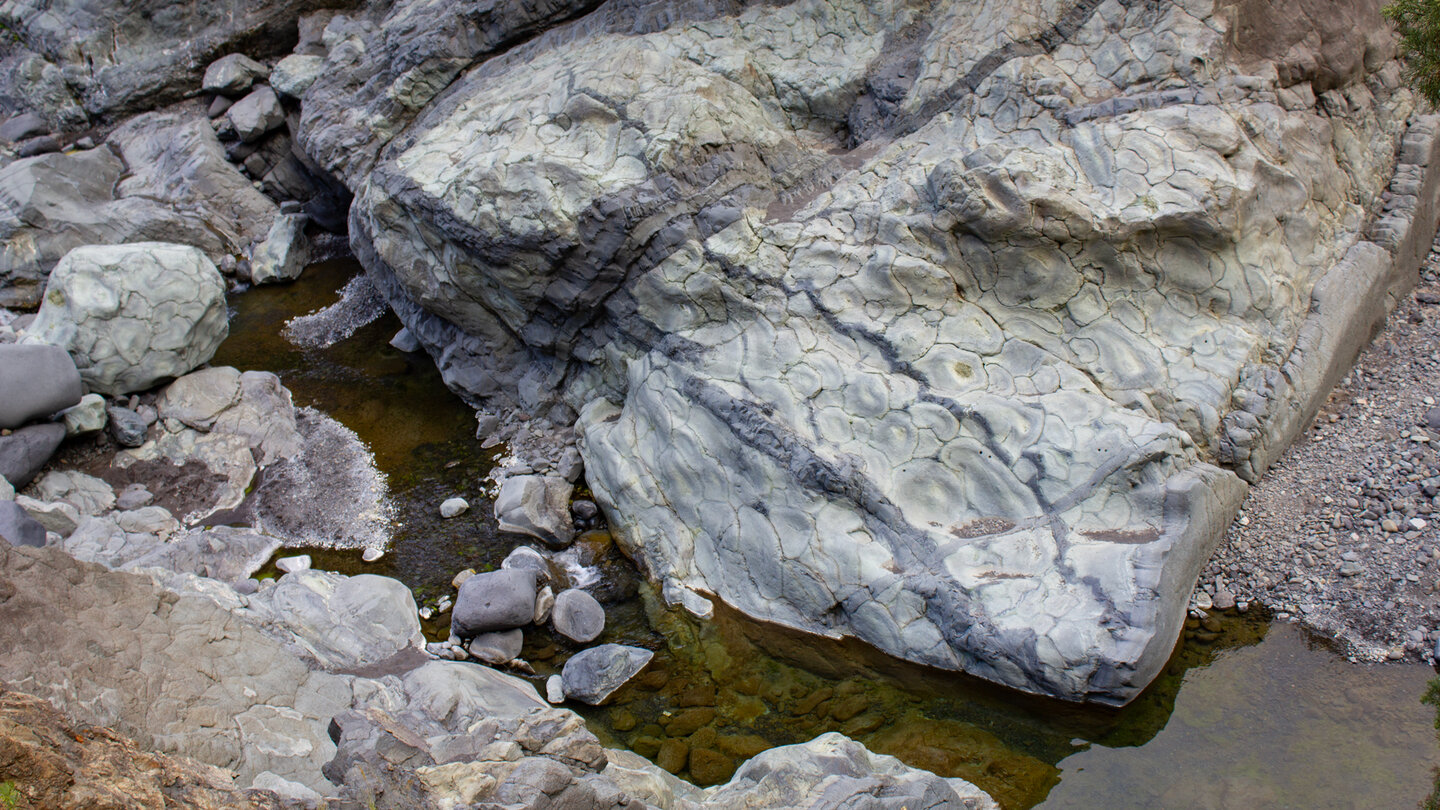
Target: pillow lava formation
x: 955, y: 327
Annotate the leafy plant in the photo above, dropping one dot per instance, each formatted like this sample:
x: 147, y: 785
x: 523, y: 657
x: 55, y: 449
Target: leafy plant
x: 1418, y: 22
x: 9, y: 795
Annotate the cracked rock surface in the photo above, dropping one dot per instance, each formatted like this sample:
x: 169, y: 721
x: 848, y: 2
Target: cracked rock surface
x: 955, y: 330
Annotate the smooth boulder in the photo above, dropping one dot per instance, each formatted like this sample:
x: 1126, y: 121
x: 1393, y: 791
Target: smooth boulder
x: 497, y: 647
x: 86, y: 417
x: 133, y: 315
x: 493, y: 600
x: 593, y: 675
x: 24, y: 452
x: 537, y: 506
x: 577, y: 616
x: 294, y: 74
x: 35, y: 381
x: 17, y: 527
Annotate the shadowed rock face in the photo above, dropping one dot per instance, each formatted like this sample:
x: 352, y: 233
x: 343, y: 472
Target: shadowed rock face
x: 951, y: 328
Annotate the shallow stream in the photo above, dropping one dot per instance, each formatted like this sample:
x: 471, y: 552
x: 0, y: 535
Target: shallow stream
x: 1248, y: 714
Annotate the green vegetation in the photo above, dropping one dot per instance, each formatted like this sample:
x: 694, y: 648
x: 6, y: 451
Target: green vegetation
x: 9, y: 795
x: 1418, y: 22
x: 1432, y: 697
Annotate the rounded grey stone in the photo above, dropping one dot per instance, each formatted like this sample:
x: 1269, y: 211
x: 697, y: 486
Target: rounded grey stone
x: 36, y: 381
x: 577, y: 616
x: 127, y: 427
x: 497, y: 647
x: 494, y: 600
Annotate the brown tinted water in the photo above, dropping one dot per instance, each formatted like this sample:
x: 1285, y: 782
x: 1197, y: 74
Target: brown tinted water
x: 1252, y: 716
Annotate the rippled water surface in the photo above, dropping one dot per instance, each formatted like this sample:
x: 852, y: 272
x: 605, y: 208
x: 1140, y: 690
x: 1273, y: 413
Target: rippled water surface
x: 1247, y: 715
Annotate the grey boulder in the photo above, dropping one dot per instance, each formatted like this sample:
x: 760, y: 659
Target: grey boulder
x: 25, y: 451
x: 578, y: 616
x: 284, y: 253
x: 35, y: 381
x: 537, y: 506
x: 133, y: 315
x: 294, y: 74
x: 256, y: 114
x: 17, y: 527
x: 346, y: 623
x: 85, y: 418
x: 232, y: 74
x: 494, y: 600
x: 593, y: 675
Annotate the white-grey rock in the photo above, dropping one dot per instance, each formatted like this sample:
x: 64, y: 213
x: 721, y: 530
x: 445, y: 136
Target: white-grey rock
x: 86, y: 493
x: 453, y: 507
x: 232, y: 74
x: 133, y: 315
x: 133, y: 496
x: 35, y: 381
x: 346, y: 623
x: 372, y: 554
x: 58, y: 517
x: 497, y: 647
x: 459, y: 579
x: 256, y: 115
x: 290, y: 565
x: 87, y: 417
x: 294, y: 74
x: 544, y: 604
x: 494, y: 600
x: 537, y: 506
x: 7, y: 492
x: 555, y: 689
x: 284, y: 254
x: 526, y: 558
x: 594, y: 674
x: 577, y: 615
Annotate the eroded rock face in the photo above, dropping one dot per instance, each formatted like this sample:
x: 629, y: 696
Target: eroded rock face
x: 159, y: 177
x: 953, y: 330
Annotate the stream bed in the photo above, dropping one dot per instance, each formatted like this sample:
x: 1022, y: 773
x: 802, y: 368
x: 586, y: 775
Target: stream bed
x: 1248, y: 714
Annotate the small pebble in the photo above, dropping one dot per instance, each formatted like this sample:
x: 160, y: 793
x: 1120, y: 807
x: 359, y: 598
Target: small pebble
x: 453, y: 507
x: 290, y: 565
x: 372, y: 554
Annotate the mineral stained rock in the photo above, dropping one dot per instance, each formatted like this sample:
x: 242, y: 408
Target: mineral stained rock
x: 954, y: 329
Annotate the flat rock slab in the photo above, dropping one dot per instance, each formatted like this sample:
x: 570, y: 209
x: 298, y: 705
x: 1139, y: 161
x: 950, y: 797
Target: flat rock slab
x: 537, y: 506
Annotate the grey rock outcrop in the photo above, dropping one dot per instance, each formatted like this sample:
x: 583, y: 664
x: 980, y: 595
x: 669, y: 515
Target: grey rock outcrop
x: 593, y: 674
x: 536, y: 506
x: 35, y: 381
x: 159, y: 177
x: 956, y: 333
x: 133, y: 315
x: 24, y: 452
x: 106, y: 60
x: 494, y: 600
